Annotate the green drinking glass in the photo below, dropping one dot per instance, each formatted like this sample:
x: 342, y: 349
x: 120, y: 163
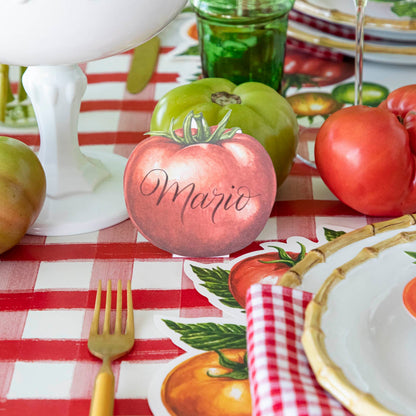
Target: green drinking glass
x: 243, y: 40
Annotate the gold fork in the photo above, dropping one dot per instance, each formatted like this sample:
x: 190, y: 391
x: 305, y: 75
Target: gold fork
x: 109, y: 346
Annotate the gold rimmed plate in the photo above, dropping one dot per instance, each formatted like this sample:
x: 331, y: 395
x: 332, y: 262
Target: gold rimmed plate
x: 310, y: 273
x: 376, y: 51
x: 359, y: 336
x: 380, y: 21
x: 359, y: 332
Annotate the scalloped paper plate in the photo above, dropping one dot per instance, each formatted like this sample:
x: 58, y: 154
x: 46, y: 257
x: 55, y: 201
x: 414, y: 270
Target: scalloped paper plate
x: 380, y: 20
x: 359, y: 337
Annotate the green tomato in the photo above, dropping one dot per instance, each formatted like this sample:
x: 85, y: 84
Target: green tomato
x: 257, y: 109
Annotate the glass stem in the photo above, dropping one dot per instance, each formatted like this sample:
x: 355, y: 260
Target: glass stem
x: 359, y: 49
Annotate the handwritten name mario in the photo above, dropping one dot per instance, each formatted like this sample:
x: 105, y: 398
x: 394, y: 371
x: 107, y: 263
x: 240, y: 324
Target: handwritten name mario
x: 156, y: 183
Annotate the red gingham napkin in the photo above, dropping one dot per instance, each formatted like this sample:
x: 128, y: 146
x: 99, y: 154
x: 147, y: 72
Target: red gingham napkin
x: 281, y: 380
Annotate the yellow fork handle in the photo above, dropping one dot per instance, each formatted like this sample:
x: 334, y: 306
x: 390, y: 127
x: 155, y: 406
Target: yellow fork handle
x: 102, y: 402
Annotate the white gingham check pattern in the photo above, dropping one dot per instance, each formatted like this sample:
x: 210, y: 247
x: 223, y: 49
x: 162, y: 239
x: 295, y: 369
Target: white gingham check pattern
x: 281, y: 380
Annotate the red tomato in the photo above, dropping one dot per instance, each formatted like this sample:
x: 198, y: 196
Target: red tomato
x: 315, y: 71
x: 200, y: 199
x: 261, y: 268
x: 402, y: 103
x: 365, y: 156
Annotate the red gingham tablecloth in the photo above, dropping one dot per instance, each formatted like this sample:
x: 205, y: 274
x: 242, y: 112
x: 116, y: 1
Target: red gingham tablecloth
x: 47, y: 284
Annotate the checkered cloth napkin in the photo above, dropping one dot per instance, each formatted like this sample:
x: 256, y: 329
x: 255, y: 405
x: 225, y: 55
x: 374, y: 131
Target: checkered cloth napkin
x: 282, y: 382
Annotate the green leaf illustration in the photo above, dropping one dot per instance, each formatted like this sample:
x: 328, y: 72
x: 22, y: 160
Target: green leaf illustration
x: 412, y: 254
x: 192, y: 50
x: 209, y: 336
x: 239, y: 370
x: 285, y: 258
x: 296, y: 81
x: 332, y: 234
x: 216, y: 282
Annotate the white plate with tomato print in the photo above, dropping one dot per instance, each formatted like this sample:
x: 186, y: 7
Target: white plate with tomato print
x: 388, y: 19
x: 399, y: 53
x: 360, y: 327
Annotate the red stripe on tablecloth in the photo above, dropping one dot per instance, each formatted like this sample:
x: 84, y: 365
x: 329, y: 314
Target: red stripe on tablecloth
x: 158, y: 77
x: 300, y: 169
x: 109, y: 251
x: 122, y: 77
x: 166, y: 49
x: 105, y: 251
x: 71, y: 350
x: 310, y: 207
x: 71, y: 407
x: 107, y: 77
x: 142, y: 299
x: 124, y: 105
x: 102, y: 138
x: 108, y: 138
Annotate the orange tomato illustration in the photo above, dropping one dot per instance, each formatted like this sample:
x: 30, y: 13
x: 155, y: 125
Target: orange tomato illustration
x: 192, y: 32
x: 202, y: 386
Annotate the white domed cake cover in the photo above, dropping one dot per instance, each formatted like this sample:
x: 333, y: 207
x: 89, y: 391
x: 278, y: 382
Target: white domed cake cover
x: 55, y: 32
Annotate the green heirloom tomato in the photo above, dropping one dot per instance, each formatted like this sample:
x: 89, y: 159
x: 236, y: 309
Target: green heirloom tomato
x: 22, y: 190
x: 257, y: 109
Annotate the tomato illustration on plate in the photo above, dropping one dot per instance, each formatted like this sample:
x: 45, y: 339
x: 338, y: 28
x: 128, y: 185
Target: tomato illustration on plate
x: 266, y: 267
x: 192, y: 32
x: 310, y: 104
x: 209, y: 384
x: 304, y: 70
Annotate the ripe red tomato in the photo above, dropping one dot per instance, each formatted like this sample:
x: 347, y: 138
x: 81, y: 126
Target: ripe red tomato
x: 402, y: 103
x: 261, y: 268
x: 201, y: 386
x: 366, y: 158
x: 200, y: 198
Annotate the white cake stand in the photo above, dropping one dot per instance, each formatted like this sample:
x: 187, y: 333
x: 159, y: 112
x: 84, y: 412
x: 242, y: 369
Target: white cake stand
x: 50, y: 37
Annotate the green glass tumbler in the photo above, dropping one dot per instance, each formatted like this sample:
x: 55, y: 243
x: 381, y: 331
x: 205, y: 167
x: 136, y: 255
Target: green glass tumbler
x: 243, y: 40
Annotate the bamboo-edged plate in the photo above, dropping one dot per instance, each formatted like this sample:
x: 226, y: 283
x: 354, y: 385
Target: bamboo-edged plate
x: 359, y: 336
x: 310, y: 273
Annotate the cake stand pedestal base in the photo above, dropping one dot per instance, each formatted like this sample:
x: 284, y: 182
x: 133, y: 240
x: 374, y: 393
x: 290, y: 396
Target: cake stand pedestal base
x: 84, y: 190
x: 90, y: 211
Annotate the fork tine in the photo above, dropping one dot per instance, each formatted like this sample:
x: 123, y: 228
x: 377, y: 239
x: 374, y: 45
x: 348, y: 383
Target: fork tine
x: 117, y: 329
x: 130, y: 317
x: 96, y: 317
x: 107, y: 314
